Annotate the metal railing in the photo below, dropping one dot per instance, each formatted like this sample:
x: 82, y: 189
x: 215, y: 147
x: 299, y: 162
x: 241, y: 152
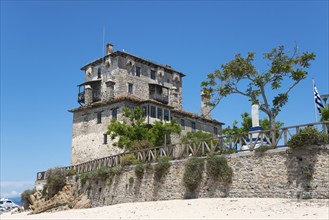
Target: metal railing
x: 220, y: 145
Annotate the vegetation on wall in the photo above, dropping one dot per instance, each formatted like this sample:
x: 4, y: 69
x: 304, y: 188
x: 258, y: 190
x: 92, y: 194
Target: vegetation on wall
x: 218, y: 169
x: 25, y: 198
x: 139, y: 171
x: 306, y: 137
x: 134, y: 133
x: 240, y: 76
x: 56, y: 179
x: 193, y: 173
x: 128, y: 159
x: 263, y: 148
x: 161, y: 167
x: 104, y: 174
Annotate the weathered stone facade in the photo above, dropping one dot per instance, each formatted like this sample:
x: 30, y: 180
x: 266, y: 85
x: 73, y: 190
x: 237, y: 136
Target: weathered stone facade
x: 278, y: 173
x: 121, y: 80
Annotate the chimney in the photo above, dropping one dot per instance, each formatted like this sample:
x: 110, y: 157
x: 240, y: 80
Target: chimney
x: 109, y: 48
x: 205, y: 107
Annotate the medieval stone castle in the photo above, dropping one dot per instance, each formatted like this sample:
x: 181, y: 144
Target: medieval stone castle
x: 119, y: 80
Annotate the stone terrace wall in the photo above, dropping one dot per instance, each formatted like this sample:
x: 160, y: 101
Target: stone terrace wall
x: 275, y: 173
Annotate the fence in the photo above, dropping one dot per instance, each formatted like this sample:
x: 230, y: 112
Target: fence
x: 220, y: 145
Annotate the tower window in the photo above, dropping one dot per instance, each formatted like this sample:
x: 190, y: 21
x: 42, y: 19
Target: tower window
x: 153, y: 74
x: 153, y: 114
x: 215, y: 131
x: 193, y: 126
x: 138, y: 71
x: 159, y: 113
x: 99, y: 72
x: 105, y: 139
x: 99, y: 117
x: 182, y: 123
x: 166, y: 114
x: 115, y: 113
x: 130, y: 88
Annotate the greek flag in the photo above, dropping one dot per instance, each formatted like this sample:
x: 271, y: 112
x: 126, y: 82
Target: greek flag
x: 317, y: 99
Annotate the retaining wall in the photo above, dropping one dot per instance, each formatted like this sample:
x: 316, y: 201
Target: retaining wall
x: 279, y: 173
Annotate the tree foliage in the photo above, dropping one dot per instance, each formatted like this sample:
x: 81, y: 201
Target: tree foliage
x: 134, y: 133
x: 232, y: 77
x: 325, y: 113
x: 196, y: 136
x: 246, y: 123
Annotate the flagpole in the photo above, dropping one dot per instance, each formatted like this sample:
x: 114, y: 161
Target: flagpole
x: 316, y: 118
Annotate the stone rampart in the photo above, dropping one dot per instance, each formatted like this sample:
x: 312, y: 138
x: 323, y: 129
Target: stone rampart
x: 278, y: 173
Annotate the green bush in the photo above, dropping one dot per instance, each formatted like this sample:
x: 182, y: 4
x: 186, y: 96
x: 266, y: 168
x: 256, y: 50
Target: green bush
x: 131, y: 180
x: 308, y: 172
x: 228, y: 151
x: 108, y: 181
x: 139, y: 171
x: 70, y: 172
x: 25, y: 198
x: 84, y: 177
x: 218, y: 168
x: 263, y: 148
x: 148, y: 167
x: 306, y: 137
x: 128, y: 159
x: 115, y: 171
x: 193, y: 173
x: 56, y: 179
x: 103, y: 173
x: 161, y: 167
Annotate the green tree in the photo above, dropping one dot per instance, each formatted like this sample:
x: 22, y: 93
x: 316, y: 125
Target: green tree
x: 196, y: 136
x: 134, y: 133
x: 240, y: 76
x: 325, y: 113
x: 246, y: 123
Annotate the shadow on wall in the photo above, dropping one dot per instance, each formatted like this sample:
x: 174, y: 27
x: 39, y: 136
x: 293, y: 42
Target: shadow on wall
x: 301, y: 164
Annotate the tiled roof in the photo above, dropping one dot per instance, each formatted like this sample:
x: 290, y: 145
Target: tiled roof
x: 132, y: 98
x: 196, y: 116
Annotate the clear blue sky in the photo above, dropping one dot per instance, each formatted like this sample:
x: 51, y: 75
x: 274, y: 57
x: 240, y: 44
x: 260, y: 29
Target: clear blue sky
x: 44, y: 44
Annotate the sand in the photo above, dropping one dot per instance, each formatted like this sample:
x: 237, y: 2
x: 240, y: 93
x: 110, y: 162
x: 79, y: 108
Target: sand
x: 216, y: 208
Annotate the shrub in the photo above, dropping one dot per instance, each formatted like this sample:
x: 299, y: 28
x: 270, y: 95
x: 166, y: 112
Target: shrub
x: 218, y: 168
x: 193, y: 173
x: 263, y: 148
x: 108, y: 181
x: 131, y: 180
x: 128, y: 159
x: 139, y: 171
x: 308, y: 172
x: 148, y: 167
x: 115, y: 171
x: 228, y: 151
x: 307, y: 136
x: 142, y: 144
x: 103, y: 173
x: 84, y: 177
x: 70, y: 172
x: 25, y: 198
x: 161, y: 167
x: 56, y: 179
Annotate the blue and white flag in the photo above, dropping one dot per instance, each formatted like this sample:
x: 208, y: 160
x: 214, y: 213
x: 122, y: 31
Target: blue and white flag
x: 317, y: 99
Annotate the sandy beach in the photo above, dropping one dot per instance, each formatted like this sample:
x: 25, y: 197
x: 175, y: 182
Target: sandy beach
x: 216, y: 208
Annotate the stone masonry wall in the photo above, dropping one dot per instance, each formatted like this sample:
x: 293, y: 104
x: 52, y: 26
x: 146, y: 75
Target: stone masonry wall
x: 276, y: 173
